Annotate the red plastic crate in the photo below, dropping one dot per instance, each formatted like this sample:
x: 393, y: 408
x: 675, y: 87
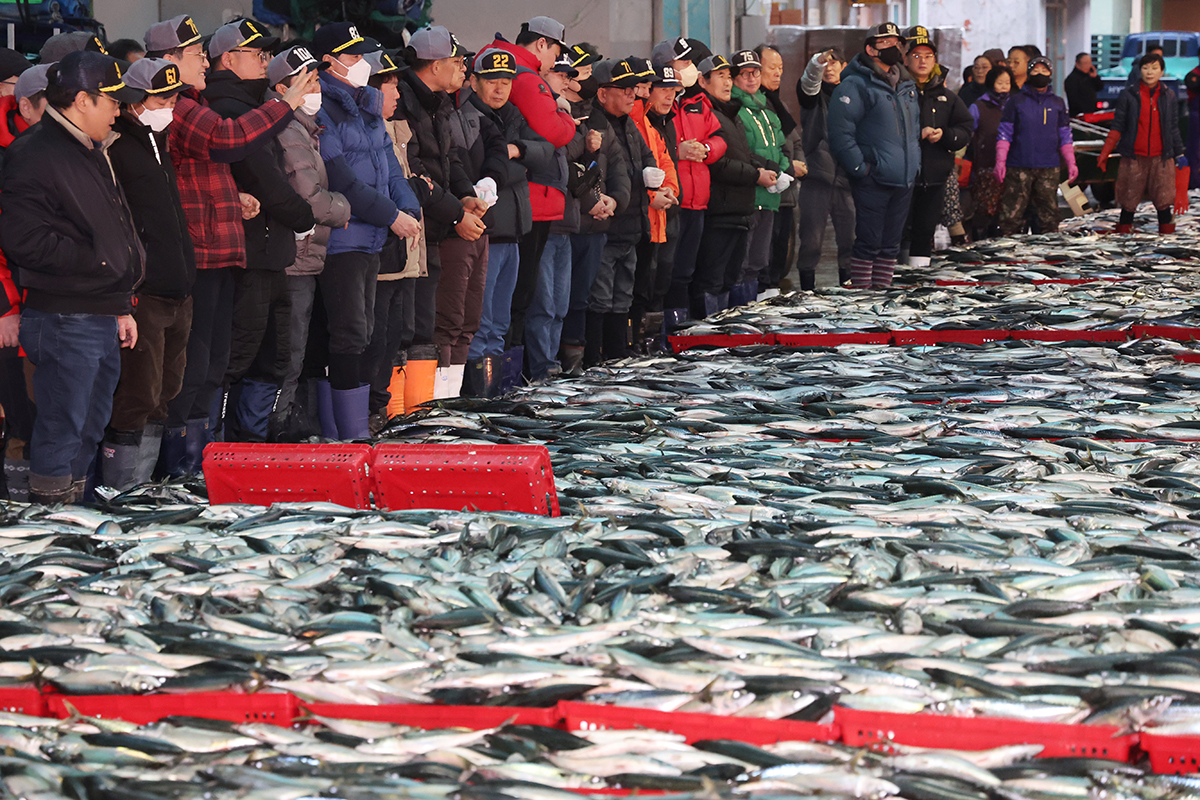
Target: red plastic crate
x: 949, y: 337
x: 1048, y: 335
x: 1176, y: 332
x: 1188, y: 358
x: 968, y: 283
x: 1077, y: 281
x: 832, y: 339
x: 753, y: 730
x: 878, y: 730
x: 1171, y: 755
x: 430, y: 717
x: 486, y: 477
x: 262, y: 474
x: 271, y: 707
x: 681, y: 343
x: 29, y: 702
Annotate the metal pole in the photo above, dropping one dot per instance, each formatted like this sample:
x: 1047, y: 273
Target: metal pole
x: 683, y: 19
x: 12, y: 36
x: 732, y: 26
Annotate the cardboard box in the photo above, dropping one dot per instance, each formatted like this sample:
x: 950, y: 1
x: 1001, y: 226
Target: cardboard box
x: 791, y: 16
x: 1075, y: 198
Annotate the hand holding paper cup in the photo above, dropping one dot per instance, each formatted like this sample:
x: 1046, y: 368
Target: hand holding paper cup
x: 653, y: 177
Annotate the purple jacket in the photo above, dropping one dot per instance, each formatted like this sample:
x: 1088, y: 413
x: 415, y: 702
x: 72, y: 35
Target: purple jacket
x: 1037, y: 124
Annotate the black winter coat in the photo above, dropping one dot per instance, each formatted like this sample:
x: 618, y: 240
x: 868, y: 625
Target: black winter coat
x: 145, y: 172
x: 483, y: 136
x: 432, y: 154
x: 735, y: 175
x: 941, y: 108
x: 66, y: 228
x: 271, y: 234
x: 610, y: 162
x: 632, y: 222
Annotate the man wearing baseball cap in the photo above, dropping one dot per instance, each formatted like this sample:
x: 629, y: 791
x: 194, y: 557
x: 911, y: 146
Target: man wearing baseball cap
x: 874, y: 132
x: 58, y: 46
x: 70, y: 239
x: 152, y: 371
x: 361, y: 165
x: 946, y: 127
x: 202, y: 145
x: 537, y: 47
x: 239, y: 53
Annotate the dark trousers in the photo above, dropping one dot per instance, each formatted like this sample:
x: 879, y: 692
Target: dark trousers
x: 691, y: 229
x: 645, y: 275
x: 348, y: 289
x: 923, y: 218
x: 425, y: 292
x: 301, y: 290
x: 722, y: 251
x: 782, y: 236
x: 394, y: 328
x: 818, y: 202
x: 152, y: 371
x: 880, y: 213
x: 14, y: 398
x: 78, y: 364
x: 207, y: 347
x: 758, y: 249
x: 262, y: 317
x: 664, y: 272
x: 532, y: 246
x: 459, y: 297
x: 586, y: 251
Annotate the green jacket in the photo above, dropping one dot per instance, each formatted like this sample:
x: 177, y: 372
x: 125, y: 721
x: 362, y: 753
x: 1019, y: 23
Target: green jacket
x: 766, y: 139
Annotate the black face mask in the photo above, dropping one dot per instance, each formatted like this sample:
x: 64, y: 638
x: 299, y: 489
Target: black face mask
x: 1001, y: 96
x: 1038, y: 81
x: 890, y: 55
x: 588, y: 88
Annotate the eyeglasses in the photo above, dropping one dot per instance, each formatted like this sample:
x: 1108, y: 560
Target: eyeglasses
x: 203, y: 56
x: 263, y: 55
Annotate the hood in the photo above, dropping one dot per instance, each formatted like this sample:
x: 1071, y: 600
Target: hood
x: 430, y: 100
x: 224, y: 84
x: 524, y: 57
x: 349, y: 98
x: 729, y: 109
x: 937, y: 80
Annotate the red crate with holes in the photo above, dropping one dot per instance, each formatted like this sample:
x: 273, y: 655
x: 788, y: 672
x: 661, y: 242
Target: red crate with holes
x: 484, y: 477
x: 583, y: 717
x: 270, y: 707
x: 432, y: 716
x: 262, y: 474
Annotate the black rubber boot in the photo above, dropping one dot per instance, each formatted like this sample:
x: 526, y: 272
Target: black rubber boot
x: 616, y: 336
x: 570, y: 357
x: 593, y: 347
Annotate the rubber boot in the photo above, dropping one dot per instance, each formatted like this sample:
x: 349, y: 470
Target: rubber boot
x: 419, y: 376
x: 215, y: 432
x: 808, y: 281
x: 654, y: 338
x: 148, y: 449
x: 51, y: 491
x: 616, y: 333
x: 493, y: 376
x: 440, y: 383
x: 16, y: 478
x: 1123, y: 229
x: 172, y: 454
x: 119, y: 455
x: 454, y: 380
x: 723, y: 301
x: 325, y: 410
x: 1166, y: 227
x: 637, y: 321
x: 351, y: 411
x: 919, y: 261
x: 570, y: 358
x: 514, y: 363
x: 194, y: 440
x: 675, y: 318
x: 255, y: 403
x: 474, y: 377
x: 593, y: 345
x: 395, y: 406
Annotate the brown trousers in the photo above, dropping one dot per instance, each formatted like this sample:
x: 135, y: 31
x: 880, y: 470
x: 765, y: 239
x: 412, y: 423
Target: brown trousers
x: 152, y: 371
x: 459, y: 297
x: 1152, y: 178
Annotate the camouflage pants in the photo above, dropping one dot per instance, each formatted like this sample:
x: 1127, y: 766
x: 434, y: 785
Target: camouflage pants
x: 1025, y: 187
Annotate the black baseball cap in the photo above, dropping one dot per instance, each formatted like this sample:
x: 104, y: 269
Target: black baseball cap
x: 291, y: 61
x: 564, y: 65
x: 12, y: 63
x: 919, y: 36
x: 340, y: 38
x: 700, y: 51
x: 59, y: 45
x: 242, y: 33
x: 616, y: 73
x: 745, y: 59
x: 583, y: 54
x: 493, y: 64
x: 714, y: 63
x: 94, y: 73
x: 882, y: 31
x: 641, y: 68
x: 667, y: 76
x: 155, y: 76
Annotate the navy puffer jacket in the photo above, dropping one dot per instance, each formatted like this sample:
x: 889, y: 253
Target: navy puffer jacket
x: 875, y: 129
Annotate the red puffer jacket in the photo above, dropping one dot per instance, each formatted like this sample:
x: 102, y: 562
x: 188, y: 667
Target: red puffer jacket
x: 694, y: 119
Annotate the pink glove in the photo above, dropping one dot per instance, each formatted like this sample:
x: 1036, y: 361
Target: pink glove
x: 1002, y: 148
x: 1068, y: 154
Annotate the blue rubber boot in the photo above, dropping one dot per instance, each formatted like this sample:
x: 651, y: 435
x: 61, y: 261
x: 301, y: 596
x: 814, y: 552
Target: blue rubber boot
x: 255, y: 404
x: 351, y: 411
x: 196, y: 436
x: 172, y: 454
x: 514, y: 363
x: 329, y: 429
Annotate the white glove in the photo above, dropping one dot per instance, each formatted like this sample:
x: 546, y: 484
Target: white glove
x: 653, y: 177
x: 486, y: 191
x: 564, y: 104
x: 300, y: 237
x: 781, y: 184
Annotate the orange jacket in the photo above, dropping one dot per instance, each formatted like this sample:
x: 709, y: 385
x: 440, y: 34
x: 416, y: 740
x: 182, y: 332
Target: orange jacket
x: 658, y: 216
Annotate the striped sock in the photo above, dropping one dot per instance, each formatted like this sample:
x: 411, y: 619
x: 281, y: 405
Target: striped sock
x: 881, y: 273
x: 860, y: 273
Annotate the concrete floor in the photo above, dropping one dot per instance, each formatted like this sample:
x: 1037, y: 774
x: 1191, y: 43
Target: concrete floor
x: 827, y: 271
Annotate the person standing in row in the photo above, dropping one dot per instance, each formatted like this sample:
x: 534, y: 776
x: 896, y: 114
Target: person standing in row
x: 874, y: 129
x: 783, y: 240
x: 1145, y: 132
x: 986, y: 189
x: 974, y: 89
x: 825, y: 193
x: 945, y: 129
x: 1082, y: 86
x: 1035, y: 134
x: 72, y: 244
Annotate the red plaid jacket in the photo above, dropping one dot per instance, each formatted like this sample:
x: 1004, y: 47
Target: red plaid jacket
x: 203, y: 145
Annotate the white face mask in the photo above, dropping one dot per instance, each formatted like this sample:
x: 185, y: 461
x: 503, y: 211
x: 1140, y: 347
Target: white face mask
x: 311, y: 104
x: 688, y: 75
x: 156, y: 119
x: 358, y: 75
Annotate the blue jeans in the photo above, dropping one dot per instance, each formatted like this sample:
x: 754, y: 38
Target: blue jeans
x: 78, y: 360
x: 551, y: 300
x: 503, y: 260
x: 586, y: 250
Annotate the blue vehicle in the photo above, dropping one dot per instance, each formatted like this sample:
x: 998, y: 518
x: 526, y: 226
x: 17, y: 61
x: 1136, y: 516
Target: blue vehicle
x: 1180, y: 50
x: 25, y: 25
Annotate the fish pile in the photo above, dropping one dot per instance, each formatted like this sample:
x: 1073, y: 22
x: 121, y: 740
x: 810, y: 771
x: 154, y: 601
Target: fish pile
x: 188, y: 758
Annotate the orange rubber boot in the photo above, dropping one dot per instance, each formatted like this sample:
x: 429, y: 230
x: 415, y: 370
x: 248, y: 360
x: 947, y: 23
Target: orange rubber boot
x: 418, y: 382
x: 395, y: 406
